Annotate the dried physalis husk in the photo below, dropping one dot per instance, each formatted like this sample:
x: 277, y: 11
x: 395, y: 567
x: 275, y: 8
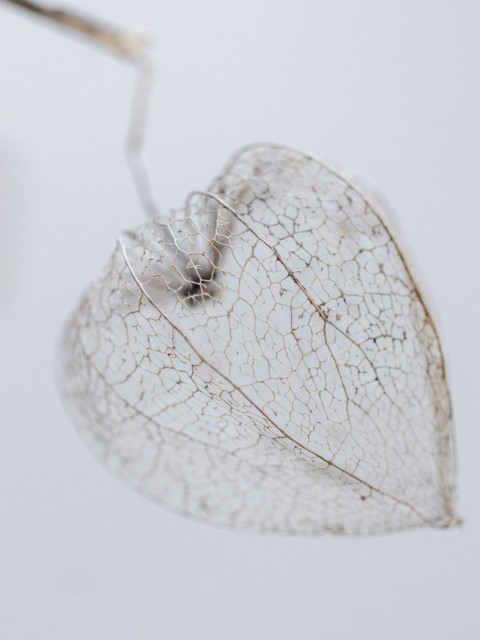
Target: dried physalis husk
x: 263, y: 359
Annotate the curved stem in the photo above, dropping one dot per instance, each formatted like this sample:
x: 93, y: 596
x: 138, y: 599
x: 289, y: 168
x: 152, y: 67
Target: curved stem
x: 132, y: 47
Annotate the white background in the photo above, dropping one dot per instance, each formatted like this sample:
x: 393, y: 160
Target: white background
x: 388, y: 88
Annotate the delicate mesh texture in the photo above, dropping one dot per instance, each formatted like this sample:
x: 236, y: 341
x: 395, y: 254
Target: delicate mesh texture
x: 263, y: 359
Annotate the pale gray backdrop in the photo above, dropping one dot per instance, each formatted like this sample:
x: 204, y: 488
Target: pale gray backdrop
x: 390, y: 89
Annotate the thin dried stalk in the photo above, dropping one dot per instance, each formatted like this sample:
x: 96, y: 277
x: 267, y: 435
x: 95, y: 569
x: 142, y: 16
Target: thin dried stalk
x: 106, y: 35
x: 134, y: 48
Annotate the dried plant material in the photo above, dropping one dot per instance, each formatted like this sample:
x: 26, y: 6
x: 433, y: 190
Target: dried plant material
x: 262, y: 359
x: 118, y: 41
x: 133, y: 47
